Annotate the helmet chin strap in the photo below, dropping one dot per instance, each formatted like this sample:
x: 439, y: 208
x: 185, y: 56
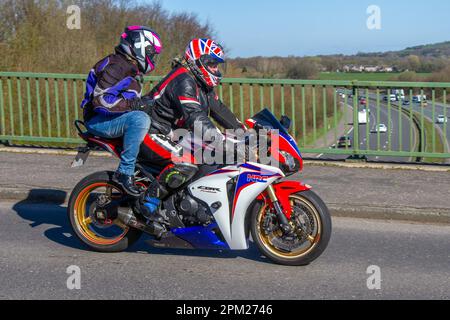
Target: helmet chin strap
x: 192, y: 67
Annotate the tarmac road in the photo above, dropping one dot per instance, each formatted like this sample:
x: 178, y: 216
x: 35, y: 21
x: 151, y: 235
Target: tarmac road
x: 37, y: 247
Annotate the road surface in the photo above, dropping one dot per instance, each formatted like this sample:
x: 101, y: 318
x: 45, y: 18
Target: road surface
x: 37, y: 248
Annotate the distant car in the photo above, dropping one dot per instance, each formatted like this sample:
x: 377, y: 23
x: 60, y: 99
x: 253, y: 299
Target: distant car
x: 392, y: 97
x: 344, y: 141
x: 441, y: 119
x: 381, y: 128
x: 419, y: 98
x: 406, y: 103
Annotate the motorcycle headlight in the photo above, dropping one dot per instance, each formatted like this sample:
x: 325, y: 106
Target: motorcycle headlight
x: 291, y: 164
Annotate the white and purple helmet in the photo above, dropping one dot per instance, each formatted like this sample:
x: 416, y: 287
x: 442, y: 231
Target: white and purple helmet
x: 142, y: 44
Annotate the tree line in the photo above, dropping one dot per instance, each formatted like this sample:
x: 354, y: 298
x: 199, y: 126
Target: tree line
x: 34, y: 36
x: 406, y: 62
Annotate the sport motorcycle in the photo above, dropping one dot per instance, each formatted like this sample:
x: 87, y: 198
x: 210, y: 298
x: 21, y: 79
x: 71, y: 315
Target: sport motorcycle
x: 221, y: 207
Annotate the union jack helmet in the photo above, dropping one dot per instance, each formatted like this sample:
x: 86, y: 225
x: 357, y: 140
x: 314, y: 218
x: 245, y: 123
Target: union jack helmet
x: 203, y: 57
x: 141, y: 44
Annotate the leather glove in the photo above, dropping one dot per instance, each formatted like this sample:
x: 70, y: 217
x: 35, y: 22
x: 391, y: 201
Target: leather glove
x: 144, y: 103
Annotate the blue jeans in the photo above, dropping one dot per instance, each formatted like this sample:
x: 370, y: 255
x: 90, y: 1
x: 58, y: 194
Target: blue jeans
x: 133, y: 126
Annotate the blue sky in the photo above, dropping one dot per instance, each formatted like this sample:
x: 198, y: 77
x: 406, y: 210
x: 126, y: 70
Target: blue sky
x: 306, y: 27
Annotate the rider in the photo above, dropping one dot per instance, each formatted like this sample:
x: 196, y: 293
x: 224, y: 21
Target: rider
x: 184, y: 98
x: 113, y: 105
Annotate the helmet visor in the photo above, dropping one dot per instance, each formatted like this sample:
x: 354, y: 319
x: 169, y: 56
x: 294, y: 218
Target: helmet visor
x: 151, y: 54
x: 213, y: 65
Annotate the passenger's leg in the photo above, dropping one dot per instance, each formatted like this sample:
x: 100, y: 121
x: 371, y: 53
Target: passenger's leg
x: 133, y: 126
x: 136, y: 127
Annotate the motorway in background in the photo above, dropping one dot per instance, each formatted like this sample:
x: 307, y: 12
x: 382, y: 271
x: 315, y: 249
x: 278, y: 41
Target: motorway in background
x: 400, y: 136
x: 432, y: 112
x: 401, y: 133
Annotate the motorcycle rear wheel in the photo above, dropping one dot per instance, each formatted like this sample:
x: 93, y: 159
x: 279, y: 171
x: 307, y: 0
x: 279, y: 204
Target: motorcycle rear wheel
x: 112, y: 236
x: 310, y: 244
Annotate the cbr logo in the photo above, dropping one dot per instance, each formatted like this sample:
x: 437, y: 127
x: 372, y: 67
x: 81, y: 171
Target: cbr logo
x: 256, y: 178
x: 208, y: 189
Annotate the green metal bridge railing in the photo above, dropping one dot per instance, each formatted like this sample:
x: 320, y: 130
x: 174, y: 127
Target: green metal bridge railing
x: 39, y: 108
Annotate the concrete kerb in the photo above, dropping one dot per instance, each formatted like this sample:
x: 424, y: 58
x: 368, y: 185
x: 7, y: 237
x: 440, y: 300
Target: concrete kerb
x: 428, y: 215
x: 366, y: 165
x: 60, y: 152
x: 423, y: 215
x: 383, y: 166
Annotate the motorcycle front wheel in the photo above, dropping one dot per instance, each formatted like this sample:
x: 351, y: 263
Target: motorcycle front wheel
x: 310, y: 221
x: 95, y: 197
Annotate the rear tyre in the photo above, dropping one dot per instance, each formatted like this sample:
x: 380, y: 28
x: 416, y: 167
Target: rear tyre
x: 312, y: 223
x: 99, y: 235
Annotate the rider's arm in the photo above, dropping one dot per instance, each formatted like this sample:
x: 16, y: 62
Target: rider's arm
x: 185, y: 97
x: 222, y: 114
x: 115, y: 92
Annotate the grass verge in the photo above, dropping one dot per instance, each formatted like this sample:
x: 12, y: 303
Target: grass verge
x: 308, y: 140
x: 439, y: 148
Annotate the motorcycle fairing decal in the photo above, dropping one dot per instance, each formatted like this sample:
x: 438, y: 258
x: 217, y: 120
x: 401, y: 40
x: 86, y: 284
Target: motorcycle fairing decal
x: 217, y: 179
x: 248, y: 178
x: 257, y: 178
x: 234, y: 232
x: 241, y: 185
x: 166, y: 150
x: 250, y: 167
x: 162, y: 152
x: 287, y: 143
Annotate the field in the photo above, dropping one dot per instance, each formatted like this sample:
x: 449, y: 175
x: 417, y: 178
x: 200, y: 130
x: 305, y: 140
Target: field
x: 364, y: 76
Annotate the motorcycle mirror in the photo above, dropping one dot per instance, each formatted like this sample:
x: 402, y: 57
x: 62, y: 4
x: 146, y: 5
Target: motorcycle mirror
x: 285, y: 122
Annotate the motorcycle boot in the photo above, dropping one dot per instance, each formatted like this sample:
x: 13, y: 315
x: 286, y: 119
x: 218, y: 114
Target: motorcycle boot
x: 152, y: 200
x: 127, y: 184
x: 169, y: 180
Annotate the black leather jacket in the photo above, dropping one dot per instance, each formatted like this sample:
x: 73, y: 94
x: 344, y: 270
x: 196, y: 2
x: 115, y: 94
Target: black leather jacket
x: 180, y: 100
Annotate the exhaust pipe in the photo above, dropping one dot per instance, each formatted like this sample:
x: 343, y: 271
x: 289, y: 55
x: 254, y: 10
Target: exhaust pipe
x: 127, y: 217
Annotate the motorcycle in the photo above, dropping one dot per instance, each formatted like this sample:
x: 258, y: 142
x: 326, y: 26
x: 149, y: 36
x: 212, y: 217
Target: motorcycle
x: 219, y: 208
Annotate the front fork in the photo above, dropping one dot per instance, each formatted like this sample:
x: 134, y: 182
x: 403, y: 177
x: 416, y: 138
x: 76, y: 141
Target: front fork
x: 284, y: 222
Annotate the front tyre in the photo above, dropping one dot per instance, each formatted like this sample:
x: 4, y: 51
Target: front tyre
x: 311, y: 222
x: 95, y: 197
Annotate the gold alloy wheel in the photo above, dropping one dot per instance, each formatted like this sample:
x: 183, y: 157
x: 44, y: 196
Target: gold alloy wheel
x: 84, y: 221
x: 311, y: 240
